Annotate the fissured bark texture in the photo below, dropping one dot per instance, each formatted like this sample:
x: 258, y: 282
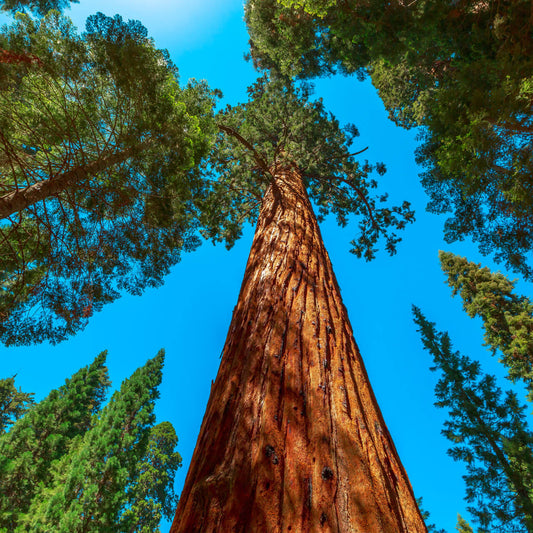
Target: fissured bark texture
x: 293, y: 439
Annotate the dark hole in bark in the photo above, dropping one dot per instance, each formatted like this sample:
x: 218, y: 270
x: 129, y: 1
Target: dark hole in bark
x: 327, y: 473
x: 323, y: 519
x: 271, y: 453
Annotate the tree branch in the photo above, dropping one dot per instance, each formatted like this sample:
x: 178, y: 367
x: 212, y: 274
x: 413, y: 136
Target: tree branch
x: 20, y: 199
x: 359, y: 193
x: 259, y: 160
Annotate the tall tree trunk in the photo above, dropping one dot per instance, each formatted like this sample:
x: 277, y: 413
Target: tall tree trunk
x: 292, y: 438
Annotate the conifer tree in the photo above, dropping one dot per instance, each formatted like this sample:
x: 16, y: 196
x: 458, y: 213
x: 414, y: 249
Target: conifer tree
x: 292, y: 438
x: 44, y: 435
x: 507, y: 317
x: 86, y: 492
x: 460, y: 70
x: 489, y: 433
x: 151, y: 494
x: 13, y: 403
x: 281, y: 127
x: 96, y: 141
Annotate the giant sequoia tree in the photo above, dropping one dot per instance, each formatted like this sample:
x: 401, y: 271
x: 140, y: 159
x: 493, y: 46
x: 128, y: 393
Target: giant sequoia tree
x: 96, y: 140
x: 460, y: 70
x: 292, y: 438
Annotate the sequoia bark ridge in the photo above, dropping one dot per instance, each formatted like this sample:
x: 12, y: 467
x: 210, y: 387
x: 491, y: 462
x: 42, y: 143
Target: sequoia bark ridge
x: 293, y: 438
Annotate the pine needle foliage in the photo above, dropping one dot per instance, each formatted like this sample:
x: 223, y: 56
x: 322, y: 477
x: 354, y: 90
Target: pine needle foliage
x: 507, y: 317
x: 69, y: 465
x: 36, y: 7
x: 488, y: 431
x: 13, y: 403
x: 96, y: 141
x: 43, y: 435
x: 461, y: 71
x: 282, y: 126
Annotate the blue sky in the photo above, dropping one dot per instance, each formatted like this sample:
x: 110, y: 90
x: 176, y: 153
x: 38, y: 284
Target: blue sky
x: 189, y: 316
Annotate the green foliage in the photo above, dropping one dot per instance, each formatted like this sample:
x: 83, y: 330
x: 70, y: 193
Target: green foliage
x: 279, y: 127
x: 69, y: 465
x: 13, y: 403
x: 86, y: 492
x: 313, y: 7
x: 463, y: 526
x: 103, y: 114
x: 507, y: 317
x: 460, y: 70
x: 489, y: 433
x: 152, y: 494
x: 43, y: 435
x: 37, y: 7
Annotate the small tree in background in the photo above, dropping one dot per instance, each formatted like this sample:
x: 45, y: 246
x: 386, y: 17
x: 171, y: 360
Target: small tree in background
x: 151, y: 495
x: 43, y: 435
x: 507, y: 317
x: 489, y: 433
x: 111, y: 470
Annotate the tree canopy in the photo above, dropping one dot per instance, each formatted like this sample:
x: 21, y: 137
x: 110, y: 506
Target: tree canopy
x: 461, y: 71
x: 96, y: 140
x: 43, y: 435
x: 281, y: 126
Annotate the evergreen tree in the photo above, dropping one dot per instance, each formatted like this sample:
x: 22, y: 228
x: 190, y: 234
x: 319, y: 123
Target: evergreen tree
x: 96, y: 142
x: 461, y: 70
x: 151, y: 494
x: 507, y: 317
x: 489, y: 433
x: 13, y: 403
x: 44, y: 435
x: 292, y: 438
x: 280, y: 126
x: 86, y: 492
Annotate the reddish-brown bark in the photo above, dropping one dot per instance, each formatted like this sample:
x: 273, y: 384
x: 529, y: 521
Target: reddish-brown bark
x: 293, y: 439
x: 20, y: 199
